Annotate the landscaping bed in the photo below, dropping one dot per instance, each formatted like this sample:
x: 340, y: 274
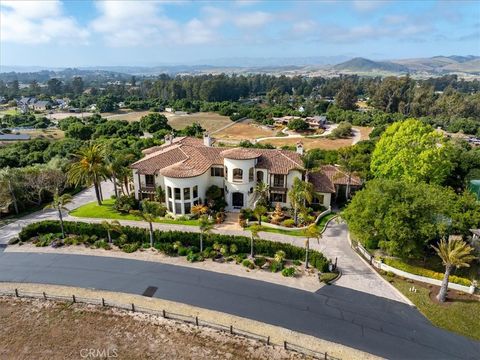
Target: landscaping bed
x: 271, y: 256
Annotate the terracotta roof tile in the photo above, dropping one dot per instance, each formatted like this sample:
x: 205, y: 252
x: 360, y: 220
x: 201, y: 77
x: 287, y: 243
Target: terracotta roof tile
x: 329, y: 175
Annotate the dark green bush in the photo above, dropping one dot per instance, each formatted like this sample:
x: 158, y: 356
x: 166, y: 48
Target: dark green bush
x: 192, y: 257
x: 260, y: 261
x: 130, y: 248
x: 247, y: 263
x: 126, y: 203
x: 275, y: 266
x: 288, y: 272
x: 188, y: 240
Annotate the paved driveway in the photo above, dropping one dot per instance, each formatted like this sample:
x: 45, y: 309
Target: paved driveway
x: 373, y: 324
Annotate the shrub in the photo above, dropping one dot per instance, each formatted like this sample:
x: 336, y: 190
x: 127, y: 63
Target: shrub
x: 182, y: 251
x: 239, y: 258
x: 154, y: 208
x: 297, y: 262
x: 288, y: 222
x: 327, y: 277
x: 247, y: 263
x: 260, y: 261
x: 166, y: 248
x: 233, y: 249
x: 140, y: 235
x: 126, y: 203
x: 102, y: 244
x: 192, y: 257
x: 224, y: 250
x: 288, y: 272
x: 416, y: 270
x: 275, y: 266
x: 280, y: 256
x: 130, y: 248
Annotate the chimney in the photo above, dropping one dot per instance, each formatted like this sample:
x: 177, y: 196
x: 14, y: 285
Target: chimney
x: 299, y: 148
x: 207, y: 140
x: 168, y: 139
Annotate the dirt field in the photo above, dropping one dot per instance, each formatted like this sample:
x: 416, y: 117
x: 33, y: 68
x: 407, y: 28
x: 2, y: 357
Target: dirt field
x: 42, y: 133
x: 63, y: 115
x: 127, y: 115
x: 37, y: 329
x: 320, y: 143
x: 244, y: 130
x: 209, y: 121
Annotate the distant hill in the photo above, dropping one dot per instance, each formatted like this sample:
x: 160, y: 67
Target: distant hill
x: 365, y: 65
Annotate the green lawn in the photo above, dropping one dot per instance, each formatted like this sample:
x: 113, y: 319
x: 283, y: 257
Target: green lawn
x: 107, y: 211
x: 9, y: 112
x: 293, y: 232
x: 461, y: 316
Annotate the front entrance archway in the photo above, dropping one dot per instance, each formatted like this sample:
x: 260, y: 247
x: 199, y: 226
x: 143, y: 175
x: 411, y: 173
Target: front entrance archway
x: 237, y: 200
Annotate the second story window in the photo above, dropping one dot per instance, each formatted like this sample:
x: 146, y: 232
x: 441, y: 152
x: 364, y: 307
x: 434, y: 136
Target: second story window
x: 177, y: 194
x: 169, y: 193
x: 186, y: 194
x: 237, y: 175
x: 216, y: 171
x: 149, y: 180
x: 250, y: 174
x: 279, y: 180
x: 195, y: 191
x: 259, y: 176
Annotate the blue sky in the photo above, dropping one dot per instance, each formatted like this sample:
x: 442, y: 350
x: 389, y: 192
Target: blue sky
x: 88, y: 33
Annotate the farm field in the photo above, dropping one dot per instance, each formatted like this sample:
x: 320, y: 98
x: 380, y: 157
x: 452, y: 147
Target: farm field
x: 244, y: 131
x: 63, y: 115
x: 44, y: 133
x: 125, y: 114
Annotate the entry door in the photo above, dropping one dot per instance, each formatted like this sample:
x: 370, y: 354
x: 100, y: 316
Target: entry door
x: 237, y: 199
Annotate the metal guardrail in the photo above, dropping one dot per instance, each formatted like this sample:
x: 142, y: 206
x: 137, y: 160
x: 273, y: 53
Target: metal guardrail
x: 194, y: 320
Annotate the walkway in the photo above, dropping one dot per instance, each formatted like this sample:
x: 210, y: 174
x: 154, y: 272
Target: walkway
x: 373, y: 324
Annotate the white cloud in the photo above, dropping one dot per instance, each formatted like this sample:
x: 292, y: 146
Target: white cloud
x: 35, y: 22
x: 367, y: 5
x: 252, y: 20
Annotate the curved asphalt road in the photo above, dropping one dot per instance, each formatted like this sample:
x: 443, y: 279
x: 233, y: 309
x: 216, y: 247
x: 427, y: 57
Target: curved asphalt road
x: 376, y: 325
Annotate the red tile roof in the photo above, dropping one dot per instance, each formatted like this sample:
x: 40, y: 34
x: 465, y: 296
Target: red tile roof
x: 330, y: 175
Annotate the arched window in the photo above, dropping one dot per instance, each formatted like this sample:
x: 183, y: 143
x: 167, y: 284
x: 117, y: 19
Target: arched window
x: 237, y: 174
x: 250, y: 174
x: 226, y: 173
x: 259, y: 176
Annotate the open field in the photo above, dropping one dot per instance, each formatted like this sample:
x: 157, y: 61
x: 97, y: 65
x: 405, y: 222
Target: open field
x: 320, y: 142
x: 124, y: 114
x: 54, y: 330
x: 8, y: 112
x: 208, y: 120
x: 244, y: 131
x: 63, y: 115
x: 44, y: 133
x: 460, y: 313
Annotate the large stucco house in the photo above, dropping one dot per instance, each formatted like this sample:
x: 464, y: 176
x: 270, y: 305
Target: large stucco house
x: 186, y: 167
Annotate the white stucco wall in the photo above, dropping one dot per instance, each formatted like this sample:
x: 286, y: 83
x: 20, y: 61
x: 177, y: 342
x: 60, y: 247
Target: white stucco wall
x: 245, y: 186
x: 201, y: 181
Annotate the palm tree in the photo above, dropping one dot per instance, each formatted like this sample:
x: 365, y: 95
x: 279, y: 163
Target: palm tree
x: 454, y: 253
x: 300, y: 194
x: 311, y: 232
x: 58, y: 204
x: 89, y: 168
x: 309, y: 164
x: 206, y: 227
x: 260, y: 194
x: 117, y: 168
x: 113, y: 226
x: 146, y: 216
x: 254, y: 229
x: 351, y: 163
x: 259, y: 211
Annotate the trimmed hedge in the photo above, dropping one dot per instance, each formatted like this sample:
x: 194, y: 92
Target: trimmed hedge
x: 162, y: 238
x: 400, y: 265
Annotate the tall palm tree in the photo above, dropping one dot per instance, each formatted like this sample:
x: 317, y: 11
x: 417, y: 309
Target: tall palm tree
x: 311, y: 232
x: 454, y: 253
x: 89, y: 168
x: 206, y: 227
x: 259, y: 211
x: 58, y: 204
x: 113, y: 226
x: 254, y: 229
x: 117, y: 169
x: 309, y: 164
x: 148, y: 217
x: 260, y: 194
x: 300, y: 194
x: 351, y: 163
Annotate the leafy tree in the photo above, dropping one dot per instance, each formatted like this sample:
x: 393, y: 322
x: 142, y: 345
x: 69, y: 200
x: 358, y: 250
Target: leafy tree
x: 89, y: 168
x: 454, y: 253
x: 346, y: 98
x: 154, y: 122
x: 343, y: 130
x: 412, y: 151
x: 79, y: 131
x: 297, y: 124
x: 352, y: 163
x: 399, y: 217
x: 58, y: 203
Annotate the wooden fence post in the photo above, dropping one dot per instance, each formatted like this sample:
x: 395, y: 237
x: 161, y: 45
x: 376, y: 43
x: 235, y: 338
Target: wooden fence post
x: 133, y: 307
x: 73, y: 297
x: 44, y: 296
x: 196, y: 320
x: 16, y: 292
x: 103, y: 302
x: 231, y: 329
x: 285, y: 345
x: 164, y: 314
x: 268, y: 340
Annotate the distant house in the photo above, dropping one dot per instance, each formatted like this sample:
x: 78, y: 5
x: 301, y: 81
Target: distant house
x: 41, y: 105
x: 92, y: 107
x: 316, y: 122
x: 3, y: 100
x: 169, y: 109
